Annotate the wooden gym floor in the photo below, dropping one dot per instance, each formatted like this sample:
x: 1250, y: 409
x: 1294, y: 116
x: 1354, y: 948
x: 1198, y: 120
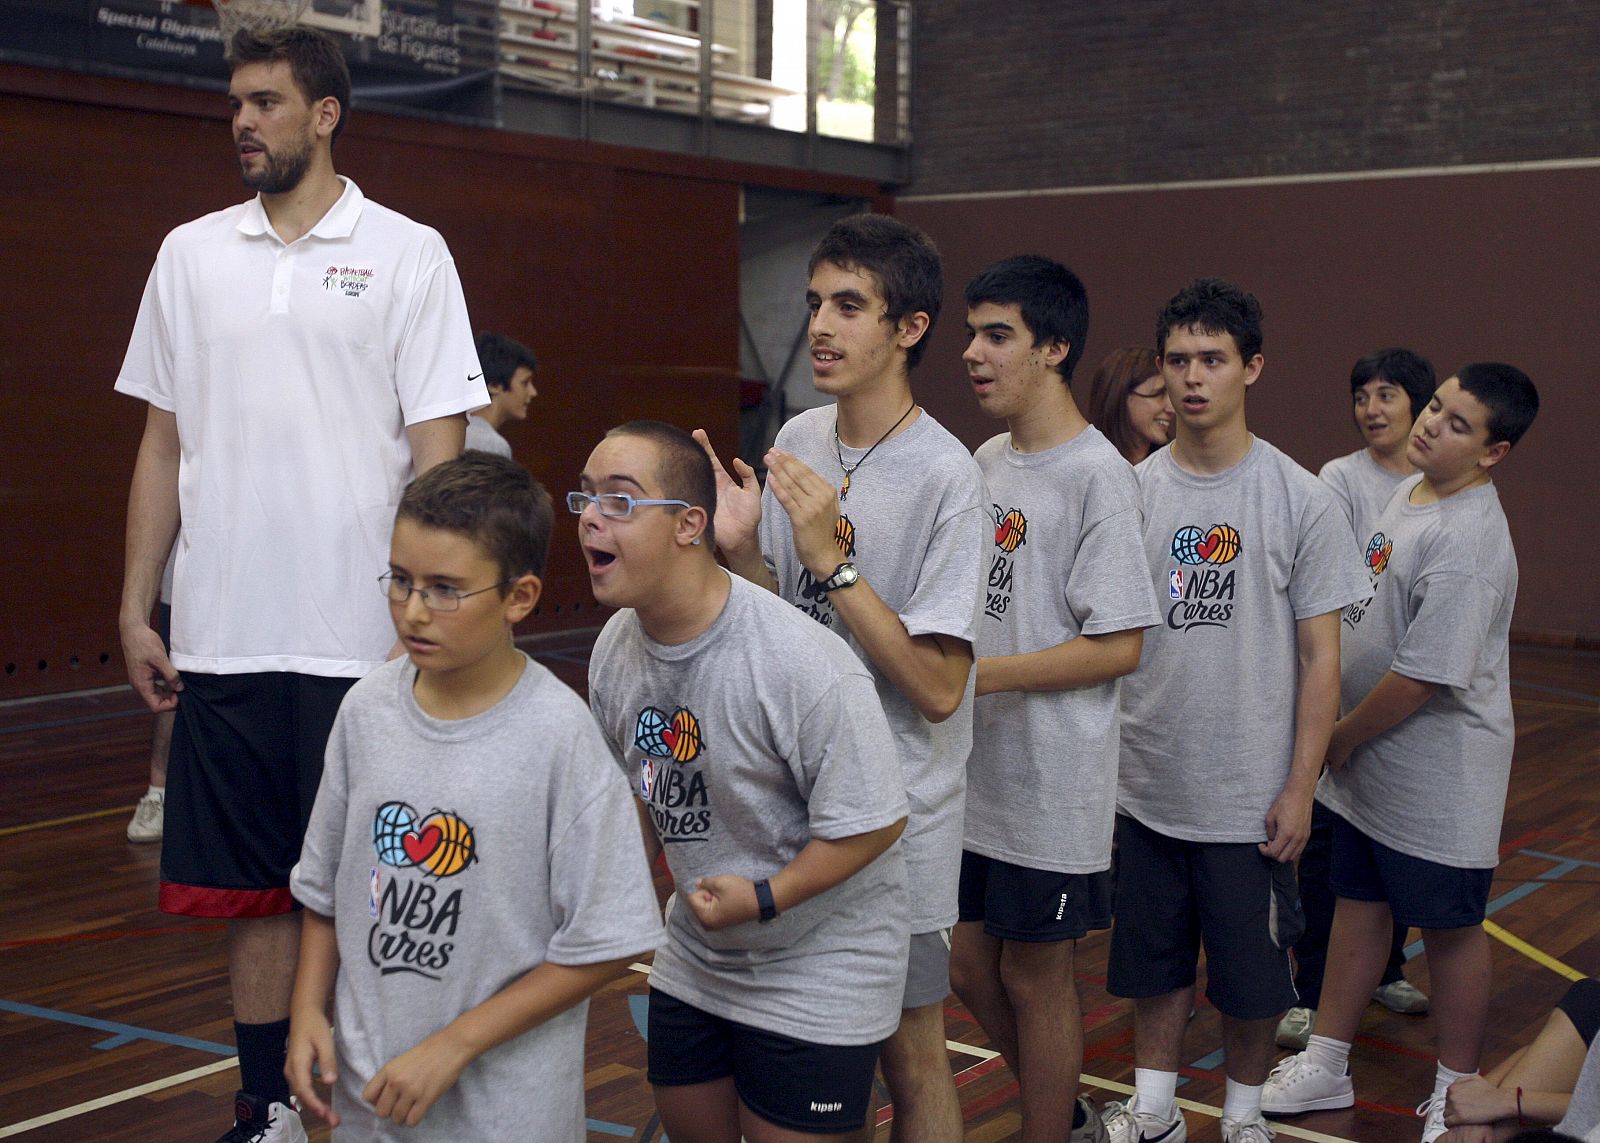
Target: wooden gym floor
x: 114, y: 1021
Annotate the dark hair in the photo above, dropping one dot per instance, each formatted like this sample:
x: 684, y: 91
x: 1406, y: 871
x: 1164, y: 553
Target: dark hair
x: 903, y: 259
x: 1121, y: 371
x: 493, y: 501
x: 1054, y: 304
x: 1411, y: 371
x: 501, y: 358
x: 684, y: 469
x: 1505, y: 390
x: 1213, y: 306
x: 313, y: 57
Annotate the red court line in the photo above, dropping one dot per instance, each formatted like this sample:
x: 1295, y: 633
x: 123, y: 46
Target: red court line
x: 1392, y: 1047
x: 111, y: 935
x: 1387, y: 1109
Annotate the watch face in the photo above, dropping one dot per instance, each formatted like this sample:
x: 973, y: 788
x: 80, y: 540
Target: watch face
x: 848, y: 575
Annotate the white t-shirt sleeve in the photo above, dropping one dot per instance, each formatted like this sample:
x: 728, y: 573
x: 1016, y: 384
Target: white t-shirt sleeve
x: 147, y: 368
x: 1327, y: 564
x: 601, y: 897
x: 1451, y: 616
x: 947, y: 595
x: 1101, y: 593
x: 314, y: 876
x: 436, y: 370
x: 849, y: 772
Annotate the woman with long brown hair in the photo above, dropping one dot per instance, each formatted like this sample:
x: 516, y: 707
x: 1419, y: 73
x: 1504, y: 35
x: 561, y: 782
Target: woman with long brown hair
x: 1128, y: 402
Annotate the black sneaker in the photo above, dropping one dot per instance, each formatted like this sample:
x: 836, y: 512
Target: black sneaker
x: 257, y: 1121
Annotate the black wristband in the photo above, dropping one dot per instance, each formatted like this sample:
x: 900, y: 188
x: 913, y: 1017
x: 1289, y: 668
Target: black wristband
x: 769, y: 907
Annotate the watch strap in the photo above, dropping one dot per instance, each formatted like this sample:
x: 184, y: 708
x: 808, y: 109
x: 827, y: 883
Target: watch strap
x: 769, y: 907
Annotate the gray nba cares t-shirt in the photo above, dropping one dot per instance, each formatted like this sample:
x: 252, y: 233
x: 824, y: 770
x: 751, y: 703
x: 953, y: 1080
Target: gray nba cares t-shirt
x: 745, y: 743
x: 1443, y: 583
x: 915, y: 525
x: 1066, y: 559
x: 1363, y: 488
x: 1237, y: 559
x: 455, y: 857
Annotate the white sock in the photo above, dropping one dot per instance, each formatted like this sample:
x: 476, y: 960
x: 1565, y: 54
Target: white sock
x: 159, y: 793
x: 1241, y: 1100
x: 1444, y: 1077
x: 1157, y: 1091
x: 1331, y: 1054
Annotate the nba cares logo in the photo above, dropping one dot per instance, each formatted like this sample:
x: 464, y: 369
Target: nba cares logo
x: 1217, y: 545
x: 662, y: 736
x: 440, y: 843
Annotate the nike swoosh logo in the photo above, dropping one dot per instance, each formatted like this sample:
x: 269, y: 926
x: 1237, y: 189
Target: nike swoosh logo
x: 475, y: 376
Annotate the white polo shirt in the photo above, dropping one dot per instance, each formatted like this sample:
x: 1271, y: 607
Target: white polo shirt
x: 293, y: 371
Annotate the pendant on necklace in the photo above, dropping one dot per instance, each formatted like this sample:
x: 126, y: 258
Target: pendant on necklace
x: 844, y: 489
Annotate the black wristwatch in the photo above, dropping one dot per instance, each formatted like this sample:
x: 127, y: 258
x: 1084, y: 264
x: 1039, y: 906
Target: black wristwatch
x: 769, y: 907
x: 843, y: 576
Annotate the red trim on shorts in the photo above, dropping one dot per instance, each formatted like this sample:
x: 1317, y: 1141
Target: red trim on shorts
x: 199, y: 901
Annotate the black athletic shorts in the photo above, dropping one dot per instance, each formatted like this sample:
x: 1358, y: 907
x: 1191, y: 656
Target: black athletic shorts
x: 242, y: 776
x: 1173, y: 896
x: 1419, y: 892
x: 1017, y: 903
x: 821, y: 1088
x: 1582, y: 1006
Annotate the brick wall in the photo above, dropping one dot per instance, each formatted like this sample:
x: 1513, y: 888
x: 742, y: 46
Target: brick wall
x: 1023, y: 94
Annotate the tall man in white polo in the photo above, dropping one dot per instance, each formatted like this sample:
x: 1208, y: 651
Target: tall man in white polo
x: 302, y: 355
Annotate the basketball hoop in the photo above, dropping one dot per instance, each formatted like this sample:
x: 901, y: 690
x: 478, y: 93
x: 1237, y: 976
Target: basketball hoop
x: 255, y: 15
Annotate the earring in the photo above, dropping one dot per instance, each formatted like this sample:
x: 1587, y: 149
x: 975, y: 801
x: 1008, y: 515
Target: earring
x: 695, y: 541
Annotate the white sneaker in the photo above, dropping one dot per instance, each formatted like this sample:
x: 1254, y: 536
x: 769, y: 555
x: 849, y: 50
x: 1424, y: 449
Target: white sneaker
x: 1125, y: 1123
x: 1294, y: 1030
x: 147, y: 819
x: 1432, y: 1112
x: 257, y: 1121
x: 1093, y: 1129
x: 1251, y: 1129
x: 1297, y: 1085
x: 1403, y: 997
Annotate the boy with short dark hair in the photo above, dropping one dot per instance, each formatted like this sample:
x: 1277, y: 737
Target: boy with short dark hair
x: 1388, y: 388
x: 1226, y: 723
x: 1420, y: 761
x: 766, y: 771
x: 872, y: 523
x: 508, y: 374
x: 472, y: 872
x: 1062, y: 623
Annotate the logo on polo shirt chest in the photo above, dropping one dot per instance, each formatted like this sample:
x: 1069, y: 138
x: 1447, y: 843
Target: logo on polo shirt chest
x: 351, y: 281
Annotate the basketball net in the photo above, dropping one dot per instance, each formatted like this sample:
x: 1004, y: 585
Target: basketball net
x: 256, y: 15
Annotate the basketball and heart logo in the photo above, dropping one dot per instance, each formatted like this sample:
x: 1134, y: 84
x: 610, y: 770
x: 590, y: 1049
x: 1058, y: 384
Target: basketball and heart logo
x: 1011, y: 530
x: 1379, y: 549
x: 440, y: 844
x: 1216, y: 545
x: 675, y: 736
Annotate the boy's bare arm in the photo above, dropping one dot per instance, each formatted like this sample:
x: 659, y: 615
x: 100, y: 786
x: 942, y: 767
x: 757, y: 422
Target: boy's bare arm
x: 1082, y: 661
x: 310, y: 1033
x: 408, y: 1085
x: 1316, y: 703
x: 728, y: 899
x: 1395, y: 699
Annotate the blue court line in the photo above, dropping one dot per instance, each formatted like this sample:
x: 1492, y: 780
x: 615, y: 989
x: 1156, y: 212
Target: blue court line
x: 605, y: 1128
x: 121, y: 1033
x: 1562, y: 691
x: 1556, y: 857
x: 127, y: 1034
x: 1564, y: 866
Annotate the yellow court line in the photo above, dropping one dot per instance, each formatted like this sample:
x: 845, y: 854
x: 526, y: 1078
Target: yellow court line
x: 118, y: 1097
x: 1278, y: 1128
x: 1533, y: 954
x: 90, y: 816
